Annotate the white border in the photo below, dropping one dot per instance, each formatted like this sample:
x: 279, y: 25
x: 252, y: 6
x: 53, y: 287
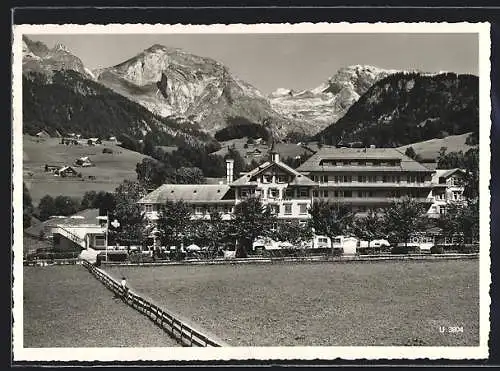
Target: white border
x: 257, y: 353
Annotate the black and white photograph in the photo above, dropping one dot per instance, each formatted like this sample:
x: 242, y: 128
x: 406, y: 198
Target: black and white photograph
x: 306, y: 191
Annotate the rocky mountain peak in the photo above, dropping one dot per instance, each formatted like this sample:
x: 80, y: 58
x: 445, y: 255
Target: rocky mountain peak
x: 330, y: 100
x: 60, y: 48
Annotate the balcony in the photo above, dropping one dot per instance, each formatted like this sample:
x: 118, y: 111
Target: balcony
x: 374, y: 185
x: 370, y: 200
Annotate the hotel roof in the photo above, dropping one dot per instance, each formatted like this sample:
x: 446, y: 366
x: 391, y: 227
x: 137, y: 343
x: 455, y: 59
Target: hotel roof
x: 299, y: 179
x: 191, y: 193
x: 315, y: 162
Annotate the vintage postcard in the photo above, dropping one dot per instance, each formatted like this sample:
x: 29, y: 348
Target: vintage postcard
x: 251, y: 192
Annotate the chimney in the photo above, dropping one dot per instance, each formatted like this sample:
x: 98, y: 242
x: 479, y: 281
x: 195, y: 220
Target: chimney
x: 275, y: 157
x: 229, y: 170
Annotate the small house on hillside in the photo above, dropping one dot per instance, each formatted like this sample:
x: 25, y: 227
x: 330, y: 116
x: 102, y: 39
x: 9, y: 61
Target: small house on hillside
x: 51, y: 168
x: 84, y: 162
x: 93, y: 141
x: 43, y: 134
x: 66, y: 171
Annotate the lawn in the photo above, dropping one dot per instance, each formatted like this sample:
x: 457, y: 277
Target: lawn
x: 65, y: 306
x: 109, y: 172
x: 329, y: 304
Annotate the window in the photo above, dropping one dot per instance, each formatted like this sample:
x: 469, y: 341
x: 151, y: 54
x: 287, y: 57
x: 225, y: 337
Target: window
x: 275, y: 209
x: 347, y: 179
x: 323, y: 179
x: 199, y: 210
x: 149, y: 208
x: 336, y: 179
x: 315, y: 193
x: 361, y: 178
x: 266, y: 178
x: 274, y: 193
x: 244, y: 192
x: 99, y: 240
x: 325, y: 193
x: 282, y: 178
x: 303, y: 209
x: 335, y: 193
x: 347, y: 193
x: 289, y: 192
x: 288, y: 209
x: 303, y: 192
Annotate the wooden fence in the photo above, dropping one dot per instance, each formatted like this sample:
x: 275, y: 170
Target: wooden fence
x: 316, y: 259
x: 180, y: 331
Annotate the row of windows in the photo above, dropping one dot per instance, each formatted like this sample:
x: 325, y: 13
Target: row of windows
x: 268, y: 178
x: 287, y: 209
x: 275, y: 192
x: 367, y: 178
x: 198, y: 209
x: 360, y: 162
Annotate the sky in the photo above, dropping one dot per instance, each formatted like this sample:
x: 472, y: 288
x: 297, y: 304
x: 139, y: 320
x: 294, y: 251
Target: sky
x: 294, y: 61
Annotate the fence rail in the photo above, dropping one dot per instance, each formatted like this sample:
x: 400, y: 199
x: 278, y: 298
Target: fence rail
x: 313, y: 258
x: 179, y: 330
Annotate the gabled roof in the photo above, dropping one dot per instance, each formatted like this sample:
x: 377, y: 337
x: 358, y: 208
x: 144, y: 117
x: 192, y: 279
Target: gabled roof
x: 65, y: 168
x: 314, y: 163
x: 87, y: 216
x: 299, y: 179
x: 191, y: 193
x: 445, y: 173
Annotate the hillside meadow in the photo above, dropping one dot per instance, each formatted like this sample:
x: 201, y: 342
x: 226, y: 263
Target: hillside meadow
x: 109, y: 170
x: 429, y: 149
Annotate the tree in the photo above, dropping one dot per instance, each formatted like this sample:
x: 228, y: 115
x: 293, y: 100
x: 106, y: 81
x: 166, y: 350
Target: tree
x: 211, y: 233
x: 46, y: 207
x: 330, y: 219
x: 471, y: 166
x: 153, y: 173
x: 174, y: 223
x: 27, y: 207
x: 291, y: 231
x: 88, y: 200
x: 461, y: 220
x: 368, y: 227
x: 65, y: 205
x: 403, y: 218
x: 410, y: 152
x: 128, y: 213
x: 189, y: 175
x: 251, y: 219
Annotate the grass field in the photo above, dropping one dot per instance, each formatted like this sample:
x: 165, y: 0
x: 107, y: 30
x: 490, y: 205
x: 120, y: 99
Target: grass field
x: 353, y: 304
x: 430, y: 148
x: 110, y: 169
x: 65, y: 306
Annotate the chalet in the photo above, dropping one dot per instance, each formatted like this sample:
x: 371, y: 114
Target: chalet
x: 66, y: 171
x: 285, y: 191
x: 43, y: 134
x: 93, y: 141
x: 255, y: 152
x: 447, y: 188
x: 84, y: 162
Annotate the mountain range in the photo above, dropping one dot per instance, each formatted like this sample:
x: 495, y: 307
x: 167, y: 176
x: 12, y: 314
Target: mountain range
x: 172, y: 91
x: 329, y: 101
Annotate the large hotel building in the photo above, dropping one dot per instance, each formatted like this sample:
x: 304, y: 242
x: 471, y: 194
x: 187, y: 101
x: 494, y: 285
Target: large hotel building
x: 361, y: 178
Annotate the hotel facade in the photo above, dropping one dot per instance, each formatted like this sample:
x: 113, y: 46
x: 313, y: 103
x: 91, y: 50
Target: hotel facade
x: 363, y: 179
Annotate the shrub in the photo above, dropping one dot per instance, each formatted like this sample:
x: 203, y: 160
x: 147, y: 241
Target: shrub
x: 436, y: 249
x: 400, y: 250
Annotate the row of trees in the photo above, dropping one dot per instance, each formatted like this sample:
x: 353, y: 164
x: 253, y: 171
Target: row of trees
x: 252, y: 219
